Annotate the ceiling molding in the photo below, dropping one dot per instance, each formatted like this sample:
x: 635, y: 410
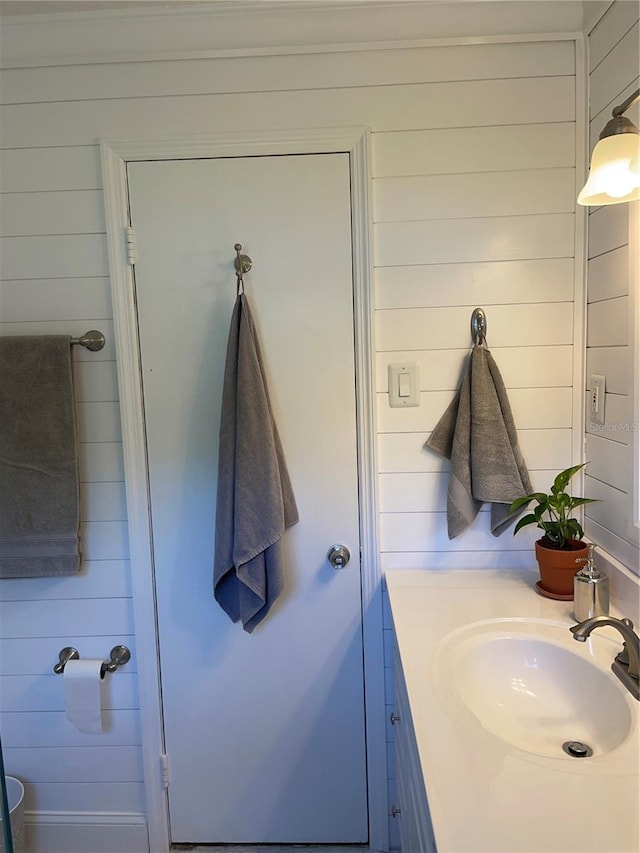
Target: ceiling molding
x: 52, y: 11
x: 247, y: 27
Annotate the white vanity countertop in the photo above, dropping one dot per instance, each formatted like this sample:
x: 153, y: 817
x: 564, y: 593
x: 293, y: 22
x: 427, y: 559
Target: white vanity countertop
x: 485, y: 795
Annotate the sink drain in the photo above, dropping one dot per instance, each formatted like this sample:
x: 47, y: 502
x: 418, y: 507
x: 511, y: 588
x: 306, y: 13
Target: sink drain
x: 577, y: 749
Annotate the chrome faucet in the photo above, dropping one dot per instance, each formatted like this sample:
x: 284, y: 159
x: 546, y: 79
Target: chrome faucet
x: 626, y: 663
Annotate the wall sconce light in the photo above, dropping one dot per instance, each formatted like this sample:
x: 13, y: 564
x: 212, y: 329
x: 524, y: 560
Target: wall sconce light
x: 615, y: 163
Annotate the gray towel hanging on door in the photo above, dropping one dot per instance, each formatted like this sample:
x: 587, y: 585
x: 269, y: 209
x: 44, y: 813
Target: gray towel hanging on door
x: 255, y: 501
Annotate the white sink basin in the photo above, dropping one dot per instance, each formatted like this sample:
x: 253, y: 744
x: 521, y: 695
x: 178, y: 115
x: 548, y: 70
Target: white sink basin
x: 525, y: 683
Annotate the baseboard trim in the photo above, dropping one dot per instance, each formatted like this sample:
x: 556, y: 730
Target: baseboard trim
x: 86, y: 832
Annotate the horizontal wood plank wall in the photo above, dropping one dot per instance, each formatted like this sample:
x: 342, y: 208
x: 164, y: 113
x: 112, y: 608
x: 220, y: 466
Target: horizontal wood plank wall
x: 473, y: 153
x: 466, y: 217
x: 614, y: 70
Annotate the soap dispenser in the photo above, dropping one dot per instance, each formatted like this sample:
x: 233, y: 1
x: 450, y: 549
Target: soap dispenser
x: 590, y: 590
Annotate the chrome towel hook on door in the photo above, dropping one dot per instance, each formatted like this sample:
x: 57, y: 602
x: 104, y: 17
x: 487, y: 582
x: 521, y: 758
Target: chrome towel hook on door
x: 243, y: 264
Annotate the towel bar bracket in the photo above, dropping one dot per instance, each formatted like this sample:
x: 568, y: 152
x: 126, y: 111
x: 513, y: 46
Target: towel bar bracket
x: 92, y: 340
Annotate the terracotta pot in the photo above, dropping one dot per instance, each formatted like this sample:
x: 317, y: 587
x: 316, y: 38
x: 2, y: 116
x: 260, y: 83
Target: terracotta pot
x: 558, y: 567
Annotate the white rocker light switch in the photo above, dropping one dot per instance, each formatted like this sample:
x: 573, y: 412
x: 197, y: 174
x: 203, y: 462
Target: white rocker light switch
x: 404, y: 384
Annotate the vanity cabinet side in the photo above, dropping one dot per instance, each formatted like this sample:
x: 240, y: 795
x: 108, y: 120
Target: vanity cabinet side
x: 416, y: 831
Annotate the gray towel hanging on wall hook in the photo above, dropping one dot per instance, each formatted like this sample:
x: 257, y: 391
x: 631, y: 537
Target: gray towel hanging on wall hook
x: 478, y: 434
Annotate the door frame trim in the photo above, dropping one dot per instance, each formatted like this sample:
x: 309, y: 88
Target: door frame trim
x: 115, y: 154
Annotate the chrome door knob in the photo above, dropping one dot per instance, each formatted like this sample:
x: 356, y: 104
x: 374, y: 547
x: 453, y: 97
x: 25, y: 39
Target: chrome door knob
x: 338, y: 556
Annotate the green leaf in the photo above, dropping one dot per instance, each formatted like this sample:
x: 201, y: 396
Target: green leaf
x: 574, y: 529
x: 581, y: 501
x: 555, y: 503
x: 520, y: 502
x: 526, y: 519
x: 540, y: 497
x: 539, y: 511
x: 552, y: 532
x: 526, y: 499
x: 562, y: 480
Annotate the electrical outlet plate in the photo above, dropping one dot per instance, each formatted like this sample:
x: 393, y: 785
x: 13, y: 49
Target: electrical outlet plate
x: 597, y: 398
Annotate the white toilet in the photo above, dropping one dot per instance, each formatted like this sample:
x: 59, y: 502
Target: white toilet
x: 15, y: 798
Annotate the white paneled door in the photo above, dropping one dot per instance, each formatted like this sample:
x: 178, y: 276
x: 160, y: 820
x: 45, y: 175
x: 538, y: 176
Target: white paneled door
x: 264, y: 732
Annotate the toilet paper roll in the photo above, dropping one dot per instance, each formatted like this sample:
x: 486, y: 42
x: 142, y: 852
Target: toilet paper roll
x: 83, y: 694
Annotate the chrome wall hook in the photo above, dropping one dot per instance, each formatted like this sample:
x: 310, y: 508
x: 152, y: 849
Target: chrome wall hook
x: 479, y: 326
x: 243, y: 264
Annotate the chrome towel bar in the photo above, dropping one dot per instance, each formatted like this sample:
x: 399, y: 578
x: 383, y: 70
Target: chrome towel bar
x: 118, y: 657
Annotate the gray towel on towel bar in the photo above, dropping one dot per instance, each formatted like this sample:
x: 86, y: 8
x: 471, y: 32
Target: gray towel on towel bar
x: 39, y: 503
x: 255, y: 501
x: 477, y: 433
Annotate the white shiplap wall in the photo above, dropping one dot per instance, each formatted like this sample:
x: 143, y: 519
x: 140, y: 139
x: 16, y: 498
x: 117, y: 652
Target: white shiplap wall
x: 614, y: 51
x: 473, y: 150
x: 482, y: 216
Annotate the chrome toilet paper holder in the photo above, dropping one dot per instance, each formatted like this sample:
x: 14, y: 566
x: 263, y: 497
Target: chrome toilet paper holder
x: 119, y: 655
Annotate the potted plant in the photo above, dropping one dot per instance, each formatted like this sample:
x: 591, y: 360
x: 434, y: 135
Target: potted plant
x: 560, y: 551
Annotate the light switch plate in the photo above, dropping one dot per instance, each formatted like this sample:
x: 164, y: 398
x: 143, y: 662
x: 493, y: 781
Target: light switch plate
x: 597, y: 398
x: 404, y: 384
